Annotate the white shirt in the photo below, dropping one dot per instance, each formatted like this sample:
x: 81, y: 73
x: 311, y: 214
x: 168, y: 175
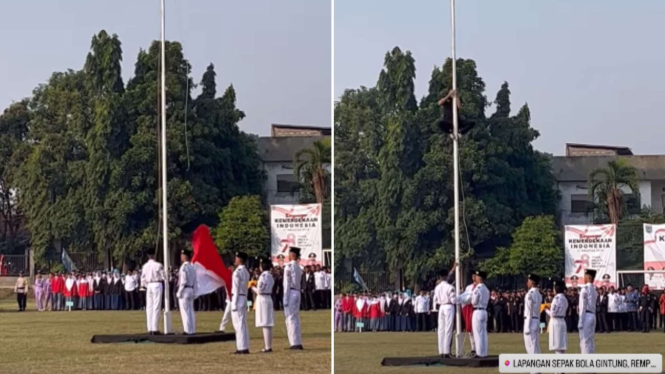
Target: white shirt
x: 239, y: 288
x: 326, y: 281
x: 613, y: 303
x: 480, y: 297
x: 152, y: 272
x: 131, y: 281
x: 532, y: 302
x: 588, y: 298
x: 622, y: 303
x: 319, y: 280
x: 444, y: 294
x: 187, y: 277
x: 69, y: 283
x: 422, y: 304
x: 265, y: 284
x: 292, y: 277
x: 559, y: 306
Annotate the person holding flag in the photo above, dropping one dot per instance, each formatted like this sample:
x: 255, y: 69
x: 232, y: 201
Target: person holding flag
x: 239, y: 304
x: 186, y: 294
x: 264, y: 307
x: 292, y: 279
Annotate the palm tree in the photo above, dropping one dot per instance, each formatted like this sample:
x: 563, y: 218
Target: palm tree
x: 310, y: 168
x: 605, y: 186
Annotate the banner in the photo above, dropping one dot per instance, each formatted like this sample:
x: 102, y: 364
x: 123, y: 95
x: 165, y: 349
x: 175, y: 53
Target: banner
x: 297, y: 226
x: 654, y: 255
x: 591, y: 247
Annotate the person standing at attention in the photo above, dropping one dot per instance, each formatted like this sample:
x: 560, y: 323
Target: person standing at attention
x: 239, y: 304
x: 39, y: 291
x: 152, y: 276
x: 265, y: 310
x: 587, y: 311
x: 186, y: 294
x: 292, y: 287
x: 532, y: 302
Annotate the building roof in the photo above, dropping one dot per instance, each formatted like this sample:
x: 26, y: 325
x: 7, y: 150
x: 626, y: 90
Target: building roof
x: 578, y: 168
x: 284, y: 149
x: 323, y: 130
x: 623, y: 151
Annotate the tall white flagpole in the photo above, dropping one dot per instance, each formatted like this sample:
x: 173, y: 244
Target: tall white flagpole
x: 165, y: 206
x: 458, y: 275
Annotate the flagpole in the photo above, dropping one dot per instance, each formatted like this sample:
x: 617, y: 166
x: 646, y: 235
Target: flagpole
x: 165, y: 207
x: 458, y: 276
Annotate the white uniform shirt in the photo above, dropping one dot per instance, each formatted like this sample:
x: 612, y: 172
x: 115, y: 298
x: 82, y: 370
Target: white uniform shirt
x: 422, y: 304
x: 319, y: 280
x: 326, y: 281
x: 265, y: 284
x: 532, y: 302
x: 559, y: 306
x: 131, y: 282
x: 444, y: 294
x: 480, y: 297
x: 187, y: 277
x: 239, y: 288
x: 292, y: 277
x: 622, y: 303
x: 588, y: 297
x: 613, y: 303
x: 152, y: 272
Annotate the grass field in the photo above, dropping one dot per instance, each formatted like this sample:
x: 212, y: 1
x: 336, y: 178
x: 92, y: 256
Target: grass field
x: 363, y: 352
x: 34, y: 342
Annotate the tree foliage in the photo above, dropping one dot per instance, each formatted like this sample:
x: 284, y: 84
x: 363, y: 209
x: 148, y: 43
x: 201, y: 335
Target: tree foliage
x: 606, y: 188
x: 310, y: 168
x: 393, y: 171
x: 243, y: 226
x: 89, y: 173
x: 535, y: 248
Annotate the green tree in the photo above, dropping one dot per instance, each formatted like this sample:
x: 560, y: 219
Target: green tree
x: 243, y: 226
x: 536, y: 248
x: 310, y: 168
x: 605, y: 187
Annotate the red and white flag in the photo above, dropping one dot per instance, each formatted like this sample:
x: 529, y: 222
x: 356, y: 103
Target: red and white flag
x: 211, y: 273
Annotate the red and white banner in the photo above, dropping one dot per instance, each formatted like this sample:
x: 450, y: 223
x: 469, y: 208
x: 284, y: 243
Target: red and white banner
x: 297, y: 226
x: 654, y: 255
x: 591, y: 247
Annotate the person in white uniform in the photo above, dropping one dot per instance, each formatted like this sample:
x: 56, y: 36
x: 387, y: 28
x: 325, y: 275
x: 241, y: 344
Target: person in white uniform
x: 264, y: 306
x: 227, y: 308
x: 187, y: 293
x: 532, y: 302
x: 557, y: 328
x: 152, y: 278
x: 292, y: 278
x: 479, y: 298
x: 239, y: 304
x: 587, y: 312
x: 444, y: 294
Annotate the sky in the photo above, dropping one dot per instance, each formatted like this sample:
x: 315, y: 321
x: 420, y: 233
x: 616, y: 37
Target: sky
x: 277, y: 55
x: 591, y: 71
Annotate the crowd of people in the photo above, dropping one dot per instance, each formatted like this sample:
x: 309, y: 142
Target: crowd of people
x: 622, y: 309
x: 115, y: 290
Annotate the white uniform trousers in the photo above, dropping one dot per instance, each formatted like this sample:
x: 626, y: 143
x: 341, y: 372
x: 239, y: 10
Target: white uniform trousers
x: 226, y: 317
x: 239, y: 318
x: 292, y: 317
x: 153, y: 305
x: 587, y: 334
x: 532, y: 341
x: 445, y: 329
x: 187, y: 315
x: 479, y: 324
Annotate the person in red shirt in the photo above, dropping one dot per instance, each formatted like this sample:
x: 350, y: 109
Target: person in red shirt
x: 374, y: 314
x: 83, y: 292
x: 661, y: 303
x: 347, y: 313
x: 58, y: 289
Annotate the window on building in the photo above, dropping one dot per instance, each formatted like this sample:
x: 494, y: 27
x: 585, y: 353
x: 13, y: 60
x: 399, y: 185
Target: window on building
x: 580, y: 203
x: 287, y: 183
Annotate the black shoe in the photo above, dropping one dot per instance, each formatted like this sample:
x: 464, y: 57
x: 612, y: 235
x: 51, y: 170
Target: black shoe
x: 297, y: 347
x: 243, y: 352
x: 473, y: 354
x: 157, y: 333
x: 266, y: 350
x: 447, y: 356
x: 220, y: 332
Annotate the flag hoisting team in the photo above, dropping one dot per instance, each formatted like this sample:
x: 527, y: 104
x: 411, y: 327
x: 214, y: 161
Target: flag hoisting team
x: 153, y: 275
x: 475, y: 299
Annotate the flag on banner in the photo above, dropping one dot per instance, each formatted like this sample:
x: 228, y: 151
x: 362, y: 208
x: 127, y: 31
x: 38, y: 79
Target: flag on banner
x: 359, y: 279
x: 67, y: 261
x: 211, y: 273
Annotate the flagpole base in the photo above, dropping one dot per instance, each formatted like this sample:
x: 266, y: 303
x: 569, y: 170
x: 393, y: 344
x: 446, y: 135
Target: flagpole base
x: 459, y: 340
x: 167, y: 322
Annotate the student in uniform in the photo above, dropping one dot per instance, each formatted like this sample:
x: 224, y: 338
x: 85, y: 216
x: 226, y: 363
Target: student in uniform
x: 152, y: 278
x: 264, y: 309
x: 421, y: 308
x: 292, y: 287
x: 587, y: 310
x: 479, y: 300
x: 613, y: 304
x: 557, y: 328
x: 21, y: 291
x: 532, y: 302
x: 444, y: 294
x: 239, y: 304
x: 83, y: 290
x: 38, y: 288
x: 186, y: 293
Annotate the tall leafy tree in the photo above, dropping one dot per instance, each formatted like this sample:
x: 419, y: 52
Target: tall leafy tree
x: 605, y: 187
x: 310, y: 169
x: 243, y: 226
